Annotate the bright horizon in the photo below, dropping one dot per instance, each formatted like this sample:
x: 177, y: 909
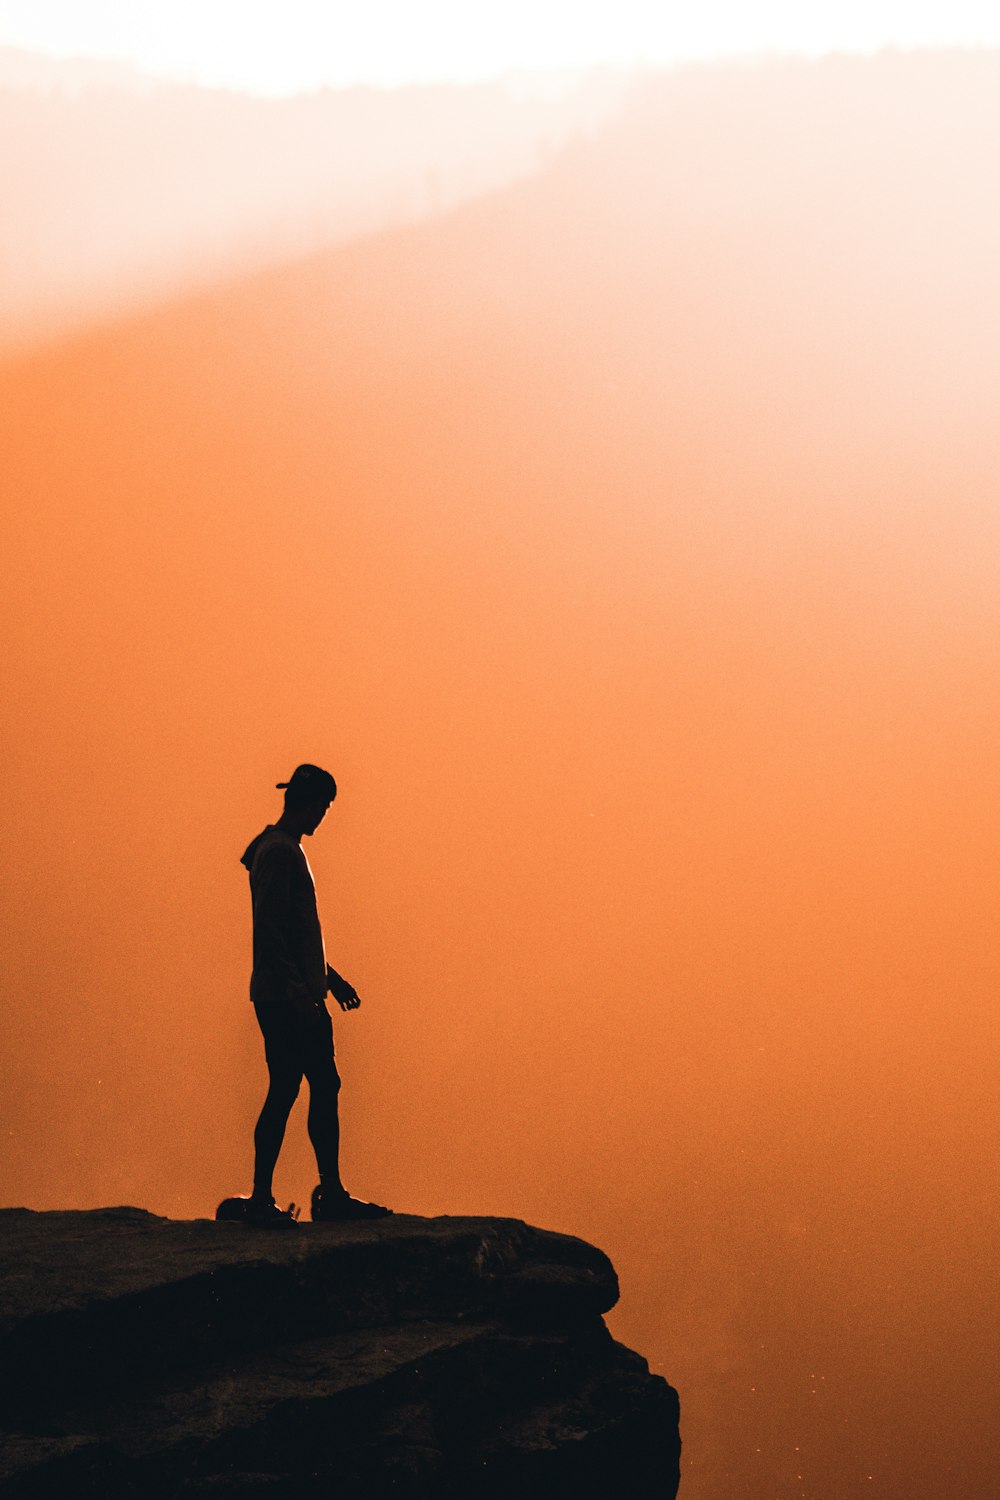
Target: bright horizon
x: 250, y: 46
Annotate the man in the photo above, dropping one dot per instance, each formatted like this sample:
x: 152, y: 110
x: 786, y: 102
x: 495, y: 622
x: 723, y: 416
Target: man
x: 289, y: 985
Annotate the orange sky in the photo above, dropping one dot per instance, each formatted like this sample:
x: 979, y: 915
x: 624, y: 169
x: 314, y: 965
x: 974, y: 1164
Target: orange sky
x: 626, y: 543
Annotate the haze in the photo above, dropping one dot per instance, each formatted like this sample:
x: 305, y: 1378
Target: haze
x: 625, y: 539
x: 127, y: 188
x: 241, y: 44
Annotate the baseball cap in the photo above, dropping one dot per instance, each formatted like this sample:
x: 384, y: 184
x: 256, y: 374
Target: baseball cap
x: 308, y: 784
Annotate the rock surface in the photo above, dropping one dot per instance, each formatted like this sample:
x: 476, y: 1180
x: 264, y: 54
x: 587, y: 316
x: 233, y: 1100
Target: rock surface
x: 408, y: 1357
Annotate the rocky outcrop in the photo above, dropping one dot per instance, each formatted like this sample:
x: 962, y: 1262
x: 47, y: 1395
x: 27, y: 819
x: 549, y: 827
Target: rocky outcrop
x: 409, y: 1357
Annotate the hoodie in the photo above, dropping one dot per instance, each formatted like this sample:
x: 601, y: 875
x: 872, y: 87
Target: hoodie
x: 289, y: 960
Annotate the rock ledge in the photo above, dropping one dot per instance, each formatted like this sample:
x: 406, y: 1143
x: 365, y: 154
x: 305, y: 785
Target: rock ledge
x: 408, y: 1357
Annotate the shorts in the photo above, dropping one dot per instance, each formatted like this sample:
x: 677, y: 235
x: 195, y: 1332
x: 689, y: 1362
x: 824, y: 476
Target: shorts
x: 297, y: 1044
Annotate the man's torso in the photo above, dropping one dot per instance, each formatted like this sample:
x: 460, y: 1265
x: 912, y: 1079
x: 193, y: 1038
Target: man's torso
x: 288, y: 952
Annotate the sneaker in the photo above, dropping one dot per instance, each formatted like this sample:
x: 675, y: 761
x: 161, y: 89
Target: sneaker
x: 330, y: 1207
x: 264, y: 1213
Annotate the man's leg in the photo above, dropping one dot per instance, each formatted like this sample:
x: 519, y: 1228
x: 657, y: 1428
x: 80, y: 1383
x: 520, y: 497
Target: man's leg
x: 331, y: 1199
x: 324, y: 1088
x: 284, y: 1067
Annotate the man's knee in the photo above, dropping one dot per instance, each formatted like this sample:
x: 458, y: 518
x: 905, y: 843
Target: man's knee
x: 327, y: 1078
x: 284, y: 1090
x: 323, y: 1077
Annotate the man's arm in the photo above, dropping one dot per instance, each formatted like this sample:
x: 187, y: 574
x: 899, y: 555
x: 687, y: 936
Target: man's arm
x: 341, y: 989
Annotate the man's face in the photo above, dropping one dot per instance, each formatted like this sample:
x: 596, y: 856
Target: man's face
x: 314, y: 813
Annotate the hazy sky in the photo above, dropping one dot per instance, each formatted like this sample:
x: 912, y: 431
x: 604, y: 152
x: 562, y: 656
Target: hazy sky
x: 270, y: 48
x: 626, y: 542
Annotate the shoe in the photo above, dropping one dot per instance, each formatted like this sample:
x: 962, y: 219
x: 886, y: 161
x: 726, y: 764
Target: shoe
x: 264, y: 1213
x: 327, y: 1208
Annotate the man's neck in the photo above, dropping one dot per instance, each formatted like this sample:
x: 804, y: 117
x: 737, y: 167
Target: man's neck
x: 289, y: 825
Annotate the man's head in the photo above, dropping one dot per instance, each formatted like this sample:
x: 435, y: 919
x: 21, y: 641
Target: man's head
x: 308, y: 794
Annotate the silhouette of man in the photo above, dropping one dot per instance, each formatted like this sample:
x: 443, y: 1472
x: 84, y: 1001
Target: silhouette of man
x: 288, y: 987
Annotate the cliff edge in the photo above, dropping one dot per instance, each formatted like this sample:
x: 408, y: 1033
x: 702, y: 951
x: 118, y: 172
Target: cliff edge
x: 407, y: 1357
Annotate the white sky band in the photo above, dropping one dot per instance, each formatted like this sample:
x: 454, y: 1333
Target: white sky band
x: 265, y: 47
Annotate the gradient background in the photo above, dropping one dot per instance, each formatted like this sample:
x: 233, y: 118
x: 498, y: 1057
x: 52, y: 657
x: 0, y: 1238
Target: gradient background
x: 623, y: 533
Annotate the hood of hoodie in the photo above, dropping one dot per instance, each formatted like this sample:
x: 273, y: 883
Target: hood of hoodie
x: 265, y: 836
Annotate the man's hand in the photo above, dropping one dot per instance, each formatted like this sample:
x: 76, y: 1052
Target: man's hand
x: 342, y: 991
x: 305, y: 1007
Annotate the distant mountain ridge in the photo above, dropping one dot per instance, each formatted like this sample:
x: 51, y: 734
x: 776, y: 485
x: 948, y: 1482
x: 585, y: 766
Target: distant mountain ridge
x: 21, y: 68
x: 120, y: 187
